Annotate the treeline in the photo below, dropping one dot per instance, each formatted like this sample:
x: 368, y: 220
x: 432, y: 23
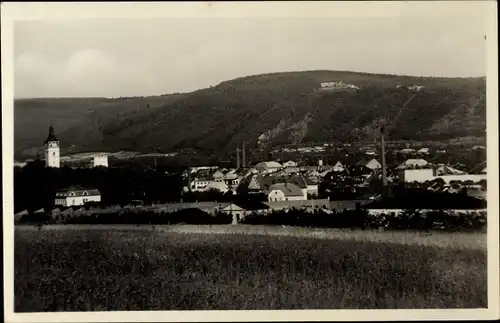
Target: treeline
x: 361, y: 219
x: 35, y: 185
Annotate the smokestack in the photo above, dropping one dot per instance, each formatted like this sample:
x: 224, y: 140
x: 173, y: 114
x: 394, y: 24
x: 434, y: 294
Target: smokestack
x: 238, y: 156
x: 243, y: 155
x: 382, y: 152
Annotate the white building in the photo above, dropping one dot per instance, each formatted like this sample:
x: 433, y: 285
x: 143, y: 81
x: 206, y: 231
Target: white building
x: 100, y: 160
x: 201, y: 184
x: 286, y: 192
x: 268, y: 167
x: 338, y: 167
x: 373, y: 164
x: 416, y: 175
x: 77, y: 197
x: 290, y: 163
x: 51, y: 148
x: 411, y: 163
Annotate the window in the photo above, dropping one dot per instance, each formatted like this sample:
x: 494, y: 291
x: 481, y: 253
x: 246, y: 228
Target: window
x: 53, y: 153
x: 85, y: 193
x: 72, y: 194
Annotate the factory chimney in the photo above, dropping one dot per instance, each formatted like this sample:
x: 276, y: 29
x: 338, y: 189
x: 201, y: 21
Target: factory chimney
x: 382, y: 153
x: 238, y: 157
x: 243, y: 155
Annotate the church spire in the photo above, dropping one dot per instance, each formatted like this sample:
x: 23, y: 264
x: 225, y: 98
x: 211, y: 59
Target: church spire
x: 52, y: 136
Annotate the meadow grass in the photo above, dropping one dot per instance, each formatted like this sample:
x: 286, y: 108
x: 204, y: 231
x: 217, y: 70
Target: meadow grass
x: 138, y: 268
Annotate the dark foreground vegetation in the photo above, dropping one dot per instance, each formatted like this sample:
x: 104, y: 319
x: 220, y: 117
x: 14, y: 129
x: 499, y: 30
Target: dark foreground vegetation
x: 92, y: 270
x: 406, y: 220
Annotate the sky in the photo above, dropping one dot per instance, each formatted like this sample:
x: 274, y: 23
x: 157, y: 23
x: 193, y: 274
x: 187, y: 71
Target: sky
x: 140, y: 57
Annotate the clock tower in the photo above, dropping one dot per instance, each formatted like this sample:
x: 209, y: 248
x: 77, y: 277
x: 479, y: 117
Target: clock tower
x: 52, y: 150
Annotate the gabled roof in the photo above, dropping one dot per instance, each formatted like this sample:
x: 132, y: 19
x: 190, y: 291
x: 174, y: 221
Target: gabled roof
x: 365, y: 162
x: 77, y: 192
x: 248, y: 206
x: 287, y: 189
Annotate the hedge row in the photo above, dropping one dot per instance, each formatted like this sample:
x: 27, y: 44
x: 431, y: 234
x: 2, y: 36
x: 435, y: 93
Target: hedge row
x: 407, y: 220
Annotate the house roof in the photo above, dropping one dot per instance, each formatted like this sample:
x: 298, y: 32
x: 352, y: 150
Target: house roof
x: 251, y: 205
x: 77, y: 192
x: 445, y: 169
x: 365, y: 162
x: 416, y: 161
x: 221, y: 186
x: 287, y: 189
x: 272, y: 164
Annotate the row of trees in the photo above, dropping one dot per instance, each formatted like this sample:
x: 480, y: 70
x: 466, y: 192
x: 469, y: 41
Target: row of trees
x: 410, y: 219
x: 35, y: 185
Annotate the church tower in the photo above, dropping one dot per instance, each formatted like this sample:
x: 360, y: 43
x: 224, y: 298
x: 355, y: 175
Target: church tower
x: 52, y: 150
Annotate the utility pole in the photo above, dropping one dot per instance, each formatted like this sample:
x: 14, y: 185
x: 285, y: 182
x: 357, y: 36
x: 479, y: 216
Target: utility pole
x: 382, y: 152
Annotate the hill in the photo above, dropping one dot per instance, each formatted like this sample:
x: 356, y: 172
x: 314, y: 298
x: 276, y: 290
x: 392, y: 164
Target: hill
x: 264, y: 110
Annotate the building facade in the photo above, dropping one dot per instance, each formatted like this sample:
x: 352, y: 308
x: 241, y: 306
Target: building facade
x: 100, y: 160
x: 76, y: 197
x: 51, y: 149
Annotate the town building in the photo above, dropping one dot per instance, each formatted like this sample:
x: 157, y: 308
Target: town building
x: 285, y: 192
x: 51, y: 149
x: 371, y: 164
x: 413, y: 163
x: 290, y: 163
x: 75, y: 196
x: 100, y: 160
x: 268, y: 167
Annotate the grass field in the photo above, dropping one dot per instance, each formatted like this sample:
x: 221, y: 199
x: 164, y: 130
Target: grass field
x: 136, y: 268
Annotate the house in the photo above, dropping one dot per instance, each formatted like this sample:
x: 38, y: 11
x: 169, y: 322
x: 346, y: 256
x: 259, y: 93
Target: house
x: 76, y: 196
x: 201, y: 183
x: 423, y: 151
x: 314, y: 176
x: 312, y: 187
x: 416, y: 175
x: 268, y: 167
x: 413, y: 163
x: 338, y: 167
x: 100, y: 160
x: 443, y: 169
x: 407, y: 151
x: 218, y: 176
x: 219, y: 186
x: 371, y: 164
x: 290, y: 163
x: 285, y: 192
x: 232, y: 179
x: 241, y: 209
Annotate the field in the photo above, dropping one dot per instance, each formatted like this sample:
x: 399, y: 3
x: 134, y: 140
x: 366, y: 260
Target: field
x: 208, y: 268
